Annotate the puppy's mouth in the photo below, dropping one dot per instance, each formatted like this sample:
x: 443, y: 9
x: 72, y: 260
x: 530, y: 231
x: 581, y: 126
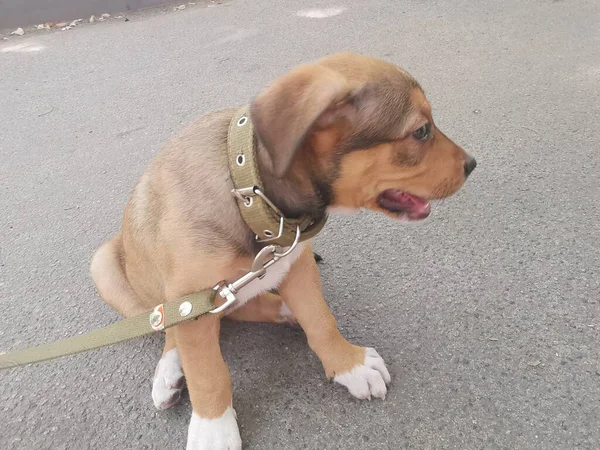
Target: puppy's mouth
x: 404, y: 205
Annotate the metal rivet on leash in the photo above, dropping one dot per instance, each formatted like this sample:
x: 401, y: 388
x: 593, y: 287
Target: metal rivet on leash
x: 247, y: 201
x: 155, y: 318
x: 242, y: 121
x: 185, y: 309
x: 241, y: 159
x: 268, y: 233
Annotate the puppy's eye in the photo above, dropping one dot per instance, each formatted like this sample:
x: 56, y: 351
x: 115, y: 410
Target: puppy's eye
x: 423, y: 133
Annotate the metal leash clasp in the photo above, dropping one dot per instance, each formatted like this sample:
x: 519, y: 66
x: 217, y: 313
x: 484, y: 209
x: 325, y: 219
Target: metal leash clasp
x: 262, y: 261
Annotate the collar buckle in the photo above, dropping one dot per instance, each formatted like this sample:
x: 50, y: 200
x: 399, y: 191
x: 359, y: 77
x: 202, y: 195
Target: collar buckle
x: 246, y: 195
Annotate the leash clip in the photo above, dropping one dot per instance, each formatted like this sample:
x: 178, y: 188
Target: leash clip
x: 224, y: 291
x: 262, y: 261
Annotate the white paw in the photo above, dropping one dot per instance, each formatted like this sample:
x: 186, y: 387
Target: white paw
x: 368, y: 379
x: 214, y: 434
x: 168, y: 380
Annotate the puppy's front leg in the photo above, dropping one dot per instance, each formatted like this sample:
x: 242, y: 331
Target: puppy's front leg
x: 213, y: 425
x: 360, y: 369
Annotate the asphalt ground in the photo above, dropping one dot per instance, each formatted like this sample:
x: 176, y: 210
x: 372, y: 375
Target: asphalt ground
x: 23, y: 13
x: 487, y: 314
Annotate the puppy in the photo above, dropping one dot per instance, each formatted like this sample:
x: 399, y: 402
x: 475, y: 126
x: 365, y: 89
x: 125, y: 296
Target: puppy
x: 347, y: 131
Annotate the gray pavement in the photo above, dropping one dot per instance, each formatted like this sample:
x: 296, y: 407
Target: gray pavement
x: 21, y: 13
x: 487, y: 315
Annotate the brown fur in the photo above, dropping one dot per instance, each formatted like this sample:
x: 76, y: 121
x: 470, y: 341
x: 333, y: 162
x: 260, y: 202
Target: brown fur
x: 331, y: 133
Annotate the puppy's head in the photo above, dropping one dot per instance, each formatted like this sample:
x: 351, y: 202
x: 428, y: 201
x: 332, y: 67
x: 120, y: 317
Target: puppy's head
x: 361, y: 131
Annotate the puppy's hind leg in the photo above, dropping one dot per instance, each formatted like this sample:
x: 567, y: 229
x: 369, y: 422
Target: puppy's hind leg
x: 266, y: 307
x: 111, y: 282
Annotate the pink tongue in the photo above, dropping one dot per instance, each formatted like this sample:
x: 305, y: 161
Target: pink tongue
x: 414, y: 207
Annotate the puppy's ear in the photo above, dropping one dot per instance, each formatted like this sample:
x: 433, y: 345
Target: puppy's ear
x: 309, y: 98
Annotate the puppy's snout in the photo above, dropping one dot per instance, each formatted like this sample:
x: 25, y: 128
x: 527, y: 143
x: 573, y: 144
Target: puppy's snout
x: 470, y: 165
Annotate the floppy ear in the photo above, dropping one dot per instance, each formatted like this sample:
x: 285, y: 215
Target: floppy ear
x: 309, y: 97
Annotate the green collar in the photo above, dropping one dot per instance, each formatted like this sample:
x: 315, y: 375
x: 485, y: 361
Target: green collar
x: 264, y: 219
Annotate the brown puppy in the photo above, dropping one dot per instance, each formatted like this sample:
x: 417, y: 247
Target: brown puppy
x: 346, y: 131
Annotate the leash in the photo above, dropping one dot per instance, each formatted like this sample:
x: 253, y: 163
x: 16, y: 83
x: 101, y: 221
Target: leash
x: 264, y: 219
x: 163, y: 316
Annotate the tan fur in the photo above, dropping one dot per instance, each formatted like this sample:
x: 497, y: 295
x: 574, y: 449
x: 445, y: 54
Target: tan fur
x: 331, y: 133
x: 438, y: 173
x: 107, y: 272
x: 302, y: 292
x: 169, y: 341
x: 317, y: 91
x: 207, y: 375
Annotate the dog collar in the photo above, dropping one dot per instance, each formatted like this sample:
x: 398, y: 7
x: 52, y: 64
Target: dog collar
x: 265, y: 220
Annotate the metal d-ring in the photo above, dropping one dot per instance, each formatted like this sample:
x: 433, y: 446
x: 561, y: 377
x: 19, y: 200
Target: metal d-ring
x: 292, y: 247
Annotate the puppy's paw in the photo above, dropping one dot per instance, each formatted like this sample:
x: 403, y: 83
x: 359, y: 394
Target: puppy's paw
x: 168, y: 381
x: 221, y: 433
x: 368, y: 379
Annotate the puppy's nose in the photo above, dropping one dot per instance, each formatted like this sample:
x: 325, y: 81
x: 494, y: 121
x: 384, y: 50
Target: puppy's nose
x: 470, y: 165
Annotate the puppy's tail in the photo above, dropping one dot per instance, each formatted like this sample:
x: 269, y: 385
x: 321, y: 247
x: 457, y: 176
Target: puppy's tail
x: 111, y: 281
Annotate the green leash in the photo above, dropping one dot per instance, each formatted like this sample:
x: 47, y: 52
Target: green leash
x: 164, y: 316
